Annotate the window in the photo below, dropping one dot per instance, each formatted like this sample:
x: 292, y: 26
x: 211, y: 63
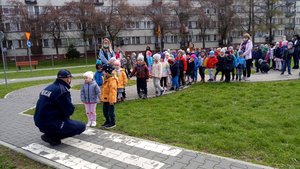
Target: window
x: 65, y: 26
x: 36, y: 10
x: 298, y: 21
x: 215, y: 37
x: 5, y: 10
x: 135, y: 40
x: 147, y: 25
x: 174, y: 39
x: 137, y: 25
x: 46, y: 43
x: 148, y: 40
x: 79, y: 26
x: 7, y: 27
x: 20, y: 44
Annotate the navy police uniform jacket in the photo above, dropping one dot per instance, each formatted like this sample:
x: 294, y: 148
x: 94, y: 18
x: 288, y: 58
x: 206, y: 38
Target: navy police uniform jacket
x: 54, y: 107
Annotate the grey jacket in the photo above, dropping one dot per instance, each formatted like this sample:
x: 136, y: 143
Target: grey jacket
x: 90, y: 92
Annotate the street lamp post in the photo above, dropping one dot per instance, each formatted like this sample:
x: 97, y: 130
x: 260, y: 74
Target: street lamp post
x: 3, y: 59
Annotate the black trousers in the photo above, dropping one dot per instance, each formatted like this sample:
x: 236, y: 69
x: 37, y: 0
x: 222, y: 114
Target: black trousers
x: 202, y: 72
x: 141, y: 85
x: 296, y: 58
x: 181, y: 78
x: 109, y: 113
x: 227, y: 75
x: 69, y: 128
x: 247, y: 71
x: 163, y: 81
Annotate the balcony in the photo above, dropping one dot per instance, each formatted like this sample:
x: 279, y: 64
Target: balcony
x: 290, y: 2
x: 31, y: 2
x: 289, y: 26
x: 99, y: 2
x: 290, y: 14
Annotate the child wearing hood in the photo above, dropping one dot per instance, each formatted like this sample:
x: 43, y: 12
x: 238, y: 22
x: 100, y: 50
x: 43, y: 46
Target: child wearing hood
x: 149, y: 60
x: 157, y: 74
x: 109, y: 96
x: 174, y: 67
x: 240, y: 65
x: 122, y: 80
x: 211, y: 64
x: 142, y: 75
x: 90, y: 95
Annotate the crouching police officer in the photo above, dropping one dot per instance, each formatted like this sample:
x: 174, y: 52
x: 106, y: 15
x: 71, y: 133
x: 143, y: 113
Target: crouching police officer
x: 53, y: 111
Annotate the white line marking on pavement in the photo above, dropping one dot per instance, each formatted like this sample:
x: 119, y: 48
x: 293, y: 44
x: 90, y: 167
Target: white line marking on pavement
x: 89, y: 132
x: 147, y: 145
x: 114, y: 154
x: 60, y: 157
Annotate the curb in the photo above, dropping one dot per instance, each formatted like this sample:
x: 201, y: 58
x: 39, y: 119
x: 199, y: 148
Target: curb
x: 33, y: 156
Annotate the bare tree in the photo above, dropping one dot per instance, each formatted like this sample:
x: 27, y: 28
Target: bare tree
x: 52, y: 23
x: 272, y: 9
x: 226, y: 17
x: 30, y: 21
x: 118, y: 15
x: 158, y: 14
x: 81, y: 12
x: 183, y: 10
x: 97, y: 27
x: 204, y: 15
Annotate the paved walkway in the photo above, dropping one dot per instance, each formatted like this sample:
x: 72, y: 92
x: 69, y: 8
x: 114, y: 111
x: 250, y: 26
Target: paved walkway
x: 100, y: 149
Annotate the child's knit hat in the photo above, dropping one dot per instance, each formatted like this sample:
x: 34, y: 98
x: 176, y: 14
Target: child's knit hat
x: 156, y: 57
x: 193, y: 56
x: 140, y: 57
x: 211, y: 53
x: 88, y: 74
x: 108, y: 68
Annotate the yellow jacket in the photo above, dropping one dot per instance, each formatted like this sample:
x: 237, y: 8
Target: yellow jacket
x: 109, y: 90
x: 122, y: 78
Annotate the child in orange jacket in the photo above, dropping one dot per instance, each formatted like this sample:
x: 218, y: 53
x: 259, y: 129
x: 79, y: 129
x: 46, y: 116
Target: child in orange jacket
x: 109, y: 96
x: 122, y: 80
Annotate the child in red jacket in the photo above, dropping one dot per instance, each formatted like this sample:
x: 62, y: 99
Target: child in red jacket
x: 211, y: 64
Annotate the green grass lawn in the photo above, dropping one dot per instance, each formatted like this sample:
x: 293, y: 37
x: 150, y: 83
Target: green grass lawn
x: 10, y: 159
x: 16, y: 86
x: 13, y: 74
x: 57, y: 63
x: 255, y: 122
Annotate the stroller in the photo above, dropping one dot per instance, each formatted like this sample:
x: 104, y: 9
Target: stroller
x: 263, y: 66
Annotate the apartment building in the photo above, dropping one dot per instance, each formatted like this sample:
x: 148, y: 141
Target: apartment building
x: 140, y: 33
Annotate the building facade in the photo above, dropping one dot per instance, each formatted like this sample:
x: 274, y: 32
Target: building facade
x: 141, y: 32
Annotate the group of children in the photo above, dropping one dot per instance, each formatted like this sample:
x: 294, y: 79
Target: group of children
x: 170, y: 71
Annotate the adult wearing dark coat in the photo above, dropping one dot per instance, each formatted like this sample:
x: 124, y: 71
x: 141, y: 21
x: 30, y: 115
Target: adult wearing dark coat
x: 296, y: 46
x: 53, y: 111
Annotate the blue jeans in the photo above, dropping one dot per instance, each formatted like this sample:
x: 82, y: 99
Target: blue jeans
x: 286, y: 64
x: 195, y: 77
x: 175, y: 82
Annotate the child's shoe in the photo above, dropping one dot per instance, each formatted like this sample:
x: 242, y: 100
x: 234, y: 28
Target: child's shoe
x: 93, y: 124
x: 140, y: 95
x: 161, y: 92
x: 89, y: 123
x: 144, y: 96
x: 110, y: 126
